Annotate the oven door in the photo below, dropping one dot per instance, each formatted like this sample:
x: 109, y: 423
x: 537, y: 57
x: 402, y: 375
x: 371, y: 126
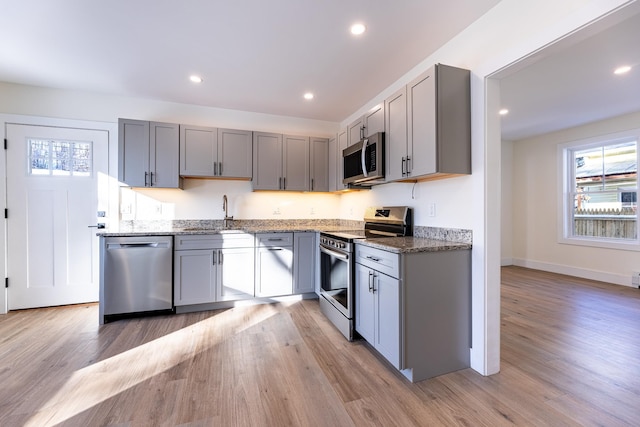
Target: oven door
x: 336, y: 279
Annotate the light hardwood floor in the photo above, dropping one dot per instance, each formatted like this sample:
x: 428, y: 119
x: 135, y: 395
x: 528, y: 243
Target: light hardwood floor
x: 570, y: 355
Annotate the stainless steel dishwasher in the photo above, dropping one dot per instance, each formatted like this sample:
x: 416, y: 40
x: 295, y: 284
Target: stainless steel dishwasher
x: 136, y: 276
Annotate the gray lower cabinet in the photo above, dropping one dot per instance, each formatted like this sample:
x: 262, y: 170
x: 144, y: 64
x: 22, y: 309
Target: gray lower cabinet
x: 378, y: 311
x: 305, y: 248
x: 415, y: 308
x: 274, y: 264
x: 148, y: 154
x: 212, y: 268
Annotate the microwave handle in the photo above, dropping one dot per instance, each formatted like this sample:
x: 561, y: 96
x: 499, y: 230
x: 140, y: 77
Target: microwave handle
x: 363, y: 154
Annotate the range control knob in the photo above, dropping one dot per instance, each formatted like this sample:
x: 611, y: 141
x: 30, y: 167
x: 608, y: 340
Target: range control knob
x: 343, y: 245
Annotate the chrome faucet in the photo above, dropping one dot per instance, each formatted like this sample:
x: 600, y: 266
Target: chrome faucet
x: 225, y: 207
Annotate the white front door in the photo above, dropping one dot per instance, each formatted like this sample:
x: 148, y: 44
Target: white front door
x: 53, y: 179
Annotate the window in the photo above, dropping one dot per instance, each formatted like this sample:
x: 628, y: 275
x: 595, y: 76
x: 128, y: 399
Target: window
x: 600, y: 188
x: 60, y: 158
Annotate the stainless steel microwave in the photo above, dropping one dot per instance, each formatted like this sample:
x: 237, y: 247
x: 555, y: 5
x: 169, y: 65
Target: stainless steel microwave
x: 364, y: 161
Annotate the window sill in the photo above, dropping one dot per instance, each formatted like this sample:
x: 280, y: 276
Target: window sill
x: 628, y: 245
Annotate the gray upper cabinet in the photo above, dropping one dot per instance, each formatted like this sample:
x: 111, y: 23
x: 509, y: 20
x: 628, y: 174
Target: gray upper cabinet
x: 235, y: 153
x: 267, y: 161
x: 343, y: 142
x: 148, y: 154
x: 198, y: 151
x: 280, y: 162
x: 215, y: 153
x: 438, y: 124
x: 296, y: 163
x: 396, y: 135
x: 333, y: 163
x: 319, y: 164
x: 370, y: 123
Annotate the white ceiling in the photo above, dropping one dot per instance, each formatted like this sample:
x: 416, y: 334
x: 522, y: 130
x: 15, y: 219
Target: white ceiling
x: 254, y: 55
x: 261, y: 56
x: 571, y: 83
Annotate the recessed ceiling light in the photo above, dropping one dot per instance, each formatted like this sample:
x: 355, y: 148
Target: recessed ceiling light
x: 503, y: 112
x: 622, y: 70
x: 195, y: 79
x: 357, y: 29
x: 308, y: 96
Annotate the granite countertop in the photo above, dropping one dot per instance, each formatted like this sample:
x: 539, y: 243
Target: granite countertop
x: 425, y: 239
x: 404, y: 245
x: 163, y: 228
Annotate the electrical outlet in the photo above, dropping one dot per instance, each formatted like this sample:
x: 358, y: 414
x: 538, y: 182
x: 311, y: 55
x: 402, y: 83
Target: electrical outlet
x: 276, y: 211
x: 312, y: 211
x: 432, y: 209
x: 635, y: 278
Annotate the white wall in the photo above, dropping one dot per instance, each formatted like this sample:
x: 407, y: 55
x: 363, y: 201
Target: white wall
x: 535, y: 208
x: 507, y: 233
x: 202, y: 199
x: 36, y: 101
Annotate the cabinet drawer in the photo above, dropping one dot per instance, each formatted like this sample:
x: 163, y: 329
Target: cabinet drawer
x: 213, y: 241
x: 274, y: 239
x: 377, y: 259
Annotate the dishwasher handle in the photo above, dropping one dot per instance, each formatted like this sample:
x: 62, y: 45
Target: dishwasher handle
x: 137, y: 245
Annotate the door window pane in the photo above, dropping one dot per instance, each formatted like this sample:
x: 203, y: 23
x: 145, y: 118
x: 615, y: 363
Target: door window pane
x: 60, y: 158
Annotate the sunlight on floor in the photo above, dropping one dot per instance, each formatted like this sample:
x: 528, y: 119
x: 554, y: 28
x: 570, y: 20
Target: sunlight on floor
x: 107, y: 378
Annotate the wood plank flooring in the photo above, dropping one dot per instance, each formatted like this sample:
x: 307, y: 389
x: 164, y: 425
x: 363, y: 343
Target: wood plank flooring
x: 570, y: 356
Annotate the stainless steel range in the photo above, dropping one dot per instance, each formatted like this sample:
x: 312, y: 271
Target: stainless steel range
x: 337, y: 261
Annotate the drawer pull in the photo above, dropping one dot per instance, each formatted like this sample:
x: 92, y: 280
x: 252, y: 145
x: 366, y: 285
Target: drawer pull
x: 372, y: 258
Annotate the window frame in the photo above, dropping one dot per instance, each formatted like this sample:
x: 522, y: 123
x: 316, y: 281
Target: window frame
x: 566, y: 181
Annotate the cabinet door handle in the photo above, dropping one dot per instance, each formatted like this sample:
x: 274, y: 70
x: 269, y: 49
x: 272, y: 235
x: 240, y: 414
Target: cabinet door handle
x: 220, y: 169
x: 284, y: 183
x: 404, y: 166
x: 146, y: 174
x: 220, y: 257
x: 408, y: 165
x: 215, y: 168
x: 280, y: 183
x: 370, y: 281
x: 214, y: 258
x: 374, y: 283
x: 151, y: 179
x: 311, y: 184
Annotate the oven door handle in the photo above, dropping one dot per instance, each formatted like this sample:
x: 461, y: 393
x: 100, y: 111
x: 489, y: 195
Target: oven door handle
x: 333, y: 253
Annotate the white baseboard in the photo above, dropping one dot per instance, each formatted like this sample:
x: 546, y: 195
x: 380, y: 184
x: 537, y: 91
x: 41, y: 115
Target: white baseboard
x: 506, y: 261
x: 584, y: 273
